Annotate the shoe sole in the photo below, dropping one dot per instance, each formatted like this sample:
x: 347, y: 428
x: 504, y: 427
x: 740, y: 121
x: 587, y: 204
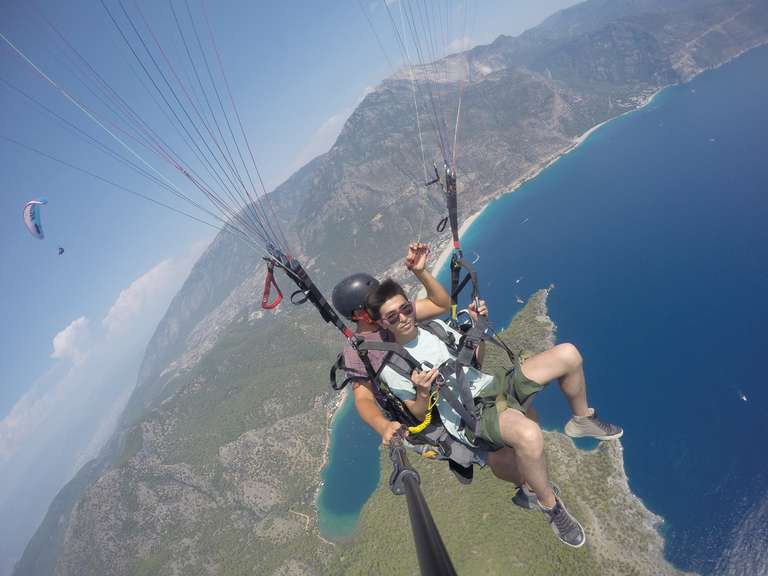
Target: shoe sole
x: 584, y: 541
x: 609, y: 437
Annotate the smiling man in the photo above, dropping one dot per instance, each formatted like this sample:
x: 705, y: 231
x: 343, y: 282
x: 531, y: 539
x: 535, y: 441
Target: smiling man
x: 349, y: 298
x: 515, y: 442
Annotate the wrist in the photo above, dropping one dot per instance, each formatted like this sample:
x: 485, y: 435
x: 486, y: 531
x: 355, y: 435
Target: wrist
x: 382, y: 428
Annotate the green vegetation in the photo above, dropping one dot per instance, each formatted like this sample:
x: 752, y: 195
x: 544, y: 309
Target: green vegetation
x: 218, y: 447
x: 216, y: 481
x: 486, y: 534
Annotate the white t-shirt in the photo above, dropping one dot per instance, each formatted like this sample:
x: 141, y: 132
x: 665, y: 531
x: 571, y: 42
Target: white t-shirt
x: 426, y: 347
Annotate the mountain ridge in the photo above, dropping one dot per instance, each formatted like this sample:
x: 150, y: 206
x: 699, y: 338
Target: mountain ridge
x: 536, y: 94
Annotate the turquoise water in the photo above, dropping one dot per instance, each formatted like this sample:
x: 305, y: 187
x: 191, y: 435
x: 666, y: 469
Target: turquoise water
x: 351, y: 475
x: 655, y: 233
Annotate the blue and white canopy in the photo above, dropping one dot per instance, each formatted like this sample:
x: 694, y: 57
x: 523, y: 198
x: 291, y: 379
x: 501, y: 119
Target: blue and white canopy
x: 32, y: 217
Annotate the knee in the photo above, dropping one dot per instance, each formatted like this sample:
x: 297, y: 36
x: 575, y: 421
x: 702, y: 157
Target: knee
x: 526, y: 438
x: 570, y: 356
x: 531, y: 439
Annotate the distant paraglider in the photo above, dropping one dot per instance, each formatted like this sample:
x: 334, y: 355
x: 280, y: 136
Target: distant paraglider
x: 32, y: 217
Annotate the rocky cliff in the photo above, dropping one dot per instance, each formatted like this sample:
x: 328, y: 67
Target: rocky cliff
x: 223, y: 440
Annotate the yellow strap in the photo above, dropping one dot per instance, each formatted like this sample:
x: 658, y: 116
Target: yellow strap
x: 428, y: 417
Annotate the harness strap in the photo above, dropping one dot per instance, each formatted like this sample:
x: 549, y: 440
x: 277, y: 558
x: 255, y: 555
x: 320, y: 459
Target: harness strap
x: 455, y: 401
x: 499, y: 343
x: 453, y: 210
x: 464, y: 407
x: 394, y: 405
x: 457, y: 263
x: 339, y: 365
x: 460, y: 286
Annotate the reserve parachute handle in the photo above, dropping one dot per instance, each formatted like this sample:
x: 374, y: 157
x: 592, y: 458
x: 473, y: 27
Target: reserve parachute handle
x: 307, y: 290
x: 269, y: 282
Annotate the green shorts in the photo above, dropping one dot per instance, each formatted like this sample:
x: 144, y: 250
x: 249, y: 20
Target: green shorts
x: 511, y: 389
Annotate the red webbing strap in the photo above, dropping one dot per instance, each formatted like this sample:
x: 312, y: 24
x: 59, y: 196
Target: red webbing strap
x: 269, y: 281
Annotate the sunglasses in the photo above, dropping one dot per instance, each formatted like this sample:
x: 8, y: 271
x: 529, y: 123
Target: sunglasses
x: 391, y: 317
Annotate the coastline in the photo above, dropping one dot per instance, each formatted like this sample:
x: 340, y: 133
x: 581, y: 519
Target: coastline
x: 332, y: 410
x: 610, y: 514
x: 443, y: 250
x: 446, y: 248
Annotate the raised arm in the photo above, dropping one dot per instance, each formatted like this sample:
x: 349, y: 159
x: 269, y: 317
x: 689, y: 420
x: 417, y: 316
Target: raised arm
x: 438, y: 301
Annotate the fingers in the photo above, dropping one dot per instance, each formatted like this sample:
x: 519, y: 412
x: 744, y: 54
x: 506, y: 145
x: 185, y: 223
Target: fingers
x: 478, y: 307
x: 417, y: 255
x: 410, y: 258
x: 424, y: 379
x: 418, y: 247
x: 391, y: 431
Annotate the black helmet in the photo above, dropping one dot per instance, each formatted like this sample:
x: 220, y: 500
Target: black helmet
x: 349, y: 294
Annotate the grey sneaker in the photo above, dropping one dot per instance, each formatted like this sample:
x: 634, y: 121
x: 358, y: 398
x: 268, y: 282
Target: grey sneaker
x: 591, y: 426
x: 565, y: 526
x: 526, y: 498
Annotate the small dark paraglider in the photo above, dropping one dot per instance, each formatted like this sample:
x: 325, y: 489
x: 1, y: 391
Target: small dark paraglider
x: 61, y: 250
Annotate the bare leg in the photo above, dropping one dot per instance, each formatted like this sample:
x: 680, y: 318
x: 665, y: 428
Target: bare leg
x: 532, y: 414
x: 526, y: 438
x: 503, y: 463
x: 564, y: 363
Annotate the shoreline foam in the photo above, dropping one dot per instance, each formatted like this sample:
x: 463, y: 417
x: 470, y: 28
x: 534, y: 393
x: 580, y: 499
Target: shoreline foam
x: 536, y: 170
x: 446, y: 247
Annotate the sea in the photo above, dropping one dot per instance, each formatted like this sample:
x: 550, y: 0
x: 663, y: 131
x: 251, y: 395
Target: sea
x: 654, y: 233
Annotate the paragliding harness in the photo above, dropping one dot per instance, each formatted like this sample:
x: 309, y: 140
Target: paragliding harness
x: 430, y: 439
x: 433, y: 440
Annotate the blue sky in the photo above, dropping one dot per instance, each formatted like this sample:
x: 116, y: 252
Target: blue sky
x: 297, y: 70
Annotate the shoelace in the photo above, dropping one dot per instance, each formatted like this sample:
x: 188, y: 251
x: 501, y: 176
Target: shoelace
x: 605, y: 426
x: 562, y: 519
